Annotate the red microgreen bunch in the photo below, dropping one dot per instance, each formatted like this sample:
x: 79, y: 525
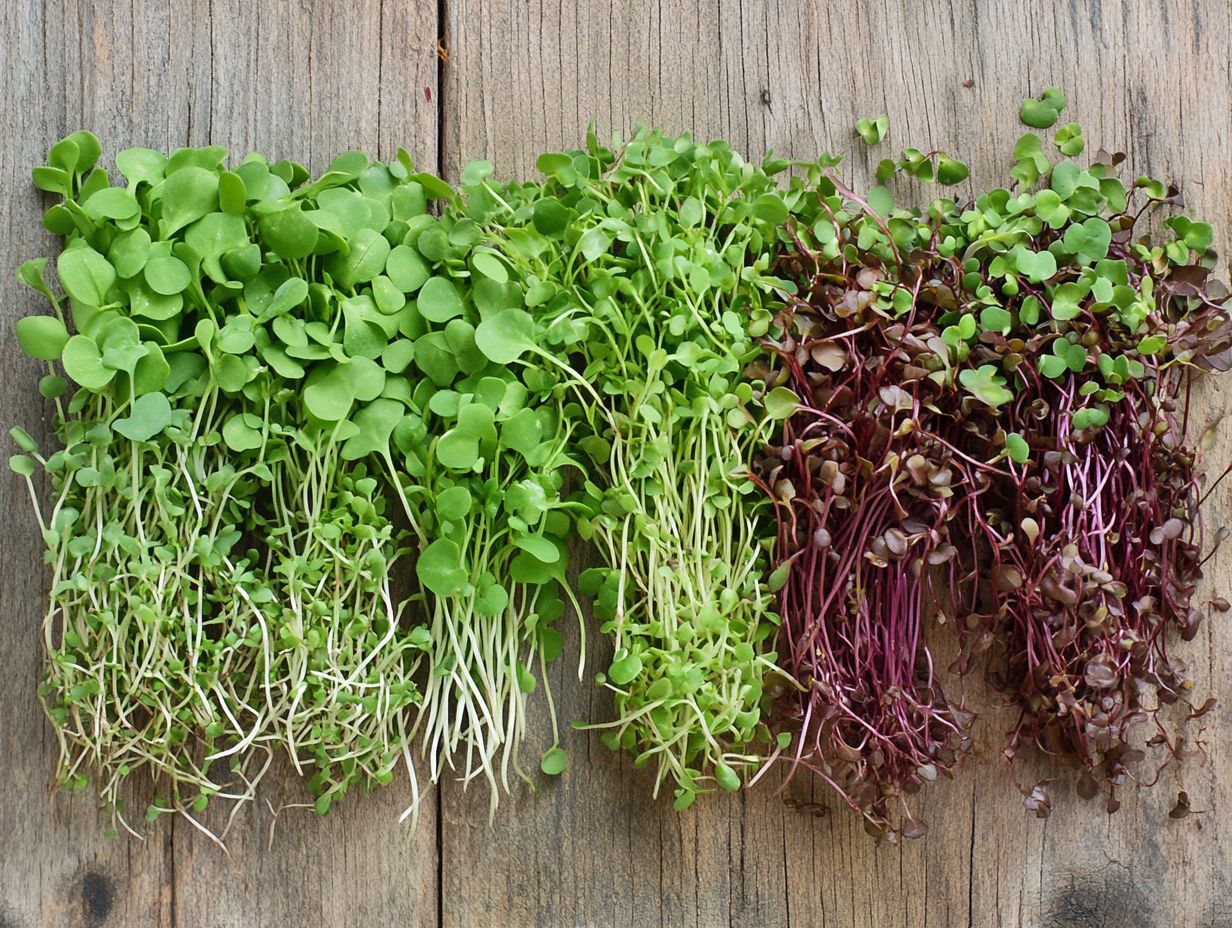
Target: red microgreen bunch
x: 867, y: 476
x: 994, y: 434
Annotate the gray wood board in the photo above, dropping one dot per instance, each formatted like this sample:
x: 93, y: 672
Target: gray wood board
x: 308, y: 79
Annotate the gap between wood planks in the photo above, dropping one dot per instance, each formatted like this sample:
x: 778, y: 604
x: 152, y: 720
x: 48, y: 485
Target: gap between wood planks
x: 442, y: 59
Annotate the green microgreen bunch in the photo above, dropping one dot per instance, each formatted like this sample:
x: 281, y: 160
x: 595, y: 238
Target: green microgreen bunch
x: 346, y: 657
x: 645, y: 281
x: 478, y: 448
x: 220, y: 587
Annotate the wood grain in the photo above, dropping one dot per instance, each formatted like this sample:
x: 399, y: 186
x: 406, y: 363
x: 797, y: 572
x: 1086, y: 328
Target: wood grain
x: 302, y: 80
x: 305, y: 79
x: 1149, y: 78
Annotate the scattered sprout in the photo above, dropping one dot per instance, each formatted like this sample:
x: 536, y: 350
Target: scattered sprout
x: 873, y: 131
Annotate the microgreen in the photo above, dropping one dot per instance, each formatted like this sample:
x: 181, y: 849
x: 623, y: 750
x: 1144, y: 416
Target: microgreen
x: 478, y: 447
x: 645, y: 273
x: 873, y: 131
x: 925, y: 166
x: 220, y: 588
x: 1043, y: 112
x: 278, y: 398
x: 1030, y: 348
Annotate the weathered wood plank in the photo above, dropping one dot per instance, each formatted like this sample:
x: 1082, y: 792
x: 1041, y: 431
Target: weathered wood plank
x: 1150, y: 78
x: 303, y: 81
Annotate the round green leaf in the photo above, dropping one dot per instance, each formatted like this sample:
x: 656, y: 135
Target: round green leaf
x: 769, y: 207
x: 290, y: 293
x: 986, y: 385
x: 439, y: 568
x: 129, y: 252
x: 329, y: 394
x: 186, y: 195
x: 288, y: 233
x: 141, y: 165
x: 995, y: 319
x: 439, y: 301
x: 1038, y: 266
x: 22, y: 465
x: 490, y: 266
x: 457, y: 450
x: 52, y: 386
x: 85, y: 275
x: 119, y: 340
x: 63, y: 155
x: 950, y: 171
x: 366, y: 258
x: 389, y: 299
x: 147, y: 417
x: 31, y: 273
x: 522, y: 431
x: 1053, y: 367
x: 231, y: 373
x: 365, y: 377
x: 215, y: 234
x: 1152, y: 344
x: 1017, y: 447
x: 1090, y: 417
x: 375, y: 423
x: 550, y: 216
x: 873, y: 131
x: 398, y: 355
x: 406, y: 269
x: 554, y: 762
x: 539, y: 547
x: 111, y: 203
x: 146, y: 303
x: 624, y: 669
x: 506, y: 336
x: 1066, y: 301
x: 83, y: 362
x: 282, y: 363
x: 42, y: 337
x: 780, y: 403
x: 242, y: 432
x: 1037, y: 114
x: 167, y: 275
x: 491, y: 600
x: 454, y: 503
x: 152, y: 371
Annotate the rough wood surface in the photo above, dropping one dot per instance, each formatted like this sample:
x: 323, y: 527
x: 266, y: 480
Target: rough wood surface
x: 305, y: 79
x: 1149, y: 78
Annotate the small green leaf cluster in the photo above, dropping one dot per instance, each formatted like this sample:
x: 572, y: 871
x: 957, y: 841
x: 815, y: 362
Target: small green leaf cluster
x: 873, y: 131
x: 647, y: 277
x: 220, y: 588
x: 479, y: 448
x: 924, y: 166
x: 1042, y: 112
x: 264, y: 362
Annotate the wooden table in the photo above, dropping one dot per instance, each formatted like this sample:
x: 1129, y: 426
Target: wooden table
x: 505, y: 80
